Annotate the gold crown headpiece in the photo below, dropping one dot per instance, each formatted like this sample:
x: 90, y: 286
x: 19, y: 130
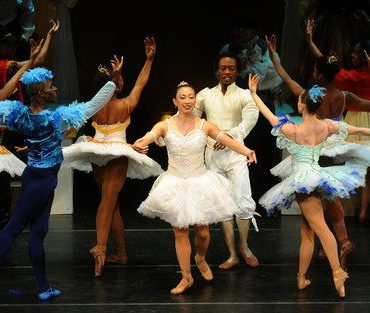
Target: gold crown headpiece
x: 332, y: 57
x: 102, y: 69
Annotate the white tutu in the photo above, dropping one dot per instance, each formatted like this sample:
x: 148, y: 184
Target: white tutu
x: 85, y: 152
x: 189, y: 194
x: 330, y: 182
x: 197, y: 200
x: 10, y: 163
x: 342, y: 152
x: 349, y: 152
x: 301, y: 172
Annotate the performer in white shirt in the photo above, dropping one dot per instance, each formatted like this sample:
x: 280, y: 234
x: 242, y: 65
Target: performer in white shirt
x: 233, y: 110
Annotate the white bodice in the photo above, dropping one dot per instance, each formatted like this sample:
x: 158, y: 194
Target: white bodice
x: 186, y: 152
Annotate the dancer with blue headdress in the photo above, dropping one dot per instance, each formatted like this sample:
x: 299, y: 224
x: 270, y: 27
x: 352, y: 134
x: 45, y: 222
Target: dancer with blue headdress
x: 308, y: 183
x: 43, y: 129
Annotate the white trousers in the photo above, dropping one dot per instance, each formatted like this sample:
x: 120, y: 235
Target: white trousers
x: 234, y: 166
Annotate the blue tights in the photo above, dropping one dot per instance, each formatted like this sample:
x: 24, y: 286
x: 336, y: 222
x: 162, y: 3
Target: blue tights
x: 33, y: 206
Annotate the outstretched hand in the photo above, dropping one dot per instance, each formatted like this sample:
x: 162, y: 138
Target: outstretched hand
x: 139, y: 147
x: 271, y: 45
x: 116, y: 64
x: 35, y: 48
x: 21, y: 149
x: 54, y: 28
x: 251, y: 157
x: 309, y: 29
x: 150, y: 47
x: 253, y: 82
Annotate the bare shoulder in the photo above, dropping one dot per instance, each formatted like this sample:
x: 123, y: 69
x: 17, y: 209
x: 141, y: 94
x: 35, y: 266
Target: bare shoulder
x: 289, y: 129
x: 333, y: 126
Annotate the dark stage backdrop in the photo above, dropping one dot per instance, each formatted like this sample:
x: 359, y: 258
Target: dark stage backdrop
x: 188, y: 39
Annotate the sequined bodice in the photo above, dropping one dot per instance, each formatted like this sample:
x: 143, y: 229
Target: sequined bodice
x: 186, y: 152
x: 111, y: 133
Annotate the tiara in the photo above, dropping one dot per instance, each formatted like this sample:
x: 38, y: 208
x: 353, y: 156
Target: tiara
x: 36, y: 75
x: 182, y: 83
x: 316, y: 92
x: 332, y: 57
x: 102, y: 69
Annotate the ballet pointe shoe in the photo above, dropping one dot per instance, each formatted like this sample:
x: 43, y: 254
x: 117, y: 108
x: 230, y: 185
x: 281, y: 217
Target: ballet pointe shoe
x: 185, y: 283
x: 302, y: 282
x: 203, y: 267
x: 98, y: 253
x: 339, y: 277
x: 229, y: 263
x: 117, y: 258
x: 345, y: 250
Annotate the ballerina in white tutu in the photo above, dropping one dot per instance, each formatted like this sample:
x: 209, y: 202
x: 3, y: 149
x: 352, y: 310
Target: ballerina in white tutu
x: 112, y: 159
x: 308, y: 182
x: 187, y: 193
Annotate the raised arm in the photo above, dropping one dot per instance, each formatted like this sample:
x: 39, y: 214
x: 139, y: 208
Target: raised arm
x: 9, y: 87
x: 46, y: 46
x: 105, y: 93
x: 214, y: 132
x: 309, y: 30
x: 355, y: 101
x: 266, y: 112
x: 292, y: 84
x: 134, y: 96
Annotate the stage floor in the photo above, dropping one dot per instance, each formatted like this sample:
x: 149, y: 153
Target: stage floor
x: 144, y: 284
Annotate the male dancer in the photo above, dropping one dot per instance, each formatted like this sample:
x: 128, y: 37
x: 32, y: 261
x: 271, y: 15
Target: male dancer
x: 43, y: 129
x: 233, y: 110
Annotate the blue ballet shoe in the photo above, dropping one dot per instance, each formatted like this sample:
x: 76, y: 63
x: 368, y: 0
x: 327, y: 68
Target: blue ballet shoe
x: 48, y: 294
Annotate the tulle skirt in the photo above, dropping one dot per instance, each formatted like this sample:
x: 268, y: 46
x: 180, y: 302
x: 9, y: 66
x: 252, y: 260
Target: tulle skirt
x: 10, y: 163
x: 331, y: 182
x: 196, y: 200
x: 85, y: 152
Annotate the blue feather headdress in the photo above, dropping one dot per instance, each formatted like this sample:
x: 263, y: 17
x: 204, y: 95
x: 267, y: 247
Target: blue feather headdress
x: 316, y: 92
x: 36, y: 75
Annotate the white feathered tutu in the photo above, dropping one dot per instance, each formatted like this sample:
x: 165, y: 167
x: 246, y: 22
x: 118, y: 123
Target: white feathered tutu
x: 302, y: 174
x: 10, y: 163
x: 85, y: 152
